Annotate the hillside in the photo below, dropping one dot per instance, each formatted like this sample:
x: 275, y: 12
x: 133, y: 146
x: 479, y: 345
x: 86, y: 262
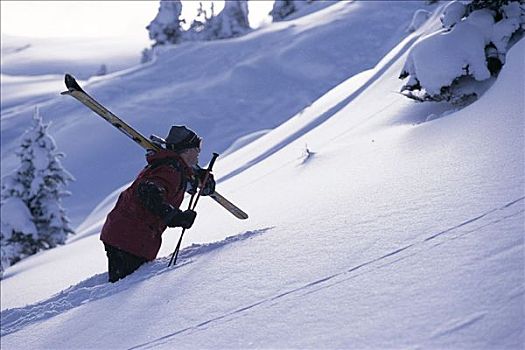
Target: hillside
x: 401, y: 227
x: 224, y: 89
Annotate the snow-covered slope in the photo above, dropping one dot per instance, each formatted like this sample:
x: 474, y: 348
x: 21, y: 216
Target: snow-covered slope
x: 401, y: 228
x: 23, y: 56
x: 33, y: 69
x: 225, y: 90
x: 406, y: 236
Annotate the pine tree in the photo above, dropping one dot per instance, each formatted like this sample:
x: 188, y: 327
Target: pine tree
x: 166, y: 27
x: 37, y: 185
x: 18, y: 233
x: 231, y: 22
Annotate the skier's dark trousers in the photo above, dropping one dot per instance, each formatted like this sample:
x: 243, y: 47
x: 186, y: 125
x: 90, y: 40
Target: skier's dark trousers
x: 132, y: 233
x: 120, y: 263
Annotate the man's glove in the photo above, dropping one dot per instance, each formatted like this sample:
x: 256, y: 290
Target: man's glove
x: 209, y: 187
x: 179, y: 218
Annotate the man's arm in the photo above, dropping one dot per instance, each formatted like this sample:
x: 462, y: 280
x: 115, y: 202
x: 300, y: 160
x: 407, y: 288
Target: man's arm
x: 153, y: 197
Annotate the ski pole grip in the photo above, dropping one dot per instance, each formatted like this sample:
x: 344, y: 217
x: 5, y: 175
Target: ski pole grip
x: 212, y: 161
x: 206, y: 176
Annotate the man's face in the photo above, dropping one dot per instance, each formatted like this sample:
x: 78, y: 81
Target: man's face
x: 191, y: 156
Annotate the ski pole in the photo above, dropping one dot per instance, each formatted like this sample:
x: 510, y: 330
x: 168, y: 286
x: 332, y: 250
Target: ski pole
x: 206, y: 176
x: 176, y: 251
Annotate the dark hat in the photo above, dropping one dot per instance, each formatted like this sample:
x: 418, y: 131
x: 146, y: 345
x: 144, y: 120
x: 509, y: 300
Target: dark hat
x: 180, y: 138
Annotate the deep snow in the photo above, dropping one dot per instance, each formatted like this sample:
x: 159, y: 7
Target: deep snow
x: 403, y: 228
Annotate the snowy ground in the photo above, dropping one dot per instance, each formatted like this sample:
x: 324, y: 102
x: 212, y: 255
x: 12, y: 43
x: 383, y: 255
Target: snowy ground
x: 402, y: 227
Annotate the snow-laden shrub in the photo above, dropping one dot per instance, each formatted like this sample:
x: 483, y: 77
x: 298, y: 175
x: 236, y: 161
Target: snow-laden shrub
x: 103, y: 70
x: 458, y: 62
x: 284, y: 8
x: 147, y: 55
x: 32, y: 216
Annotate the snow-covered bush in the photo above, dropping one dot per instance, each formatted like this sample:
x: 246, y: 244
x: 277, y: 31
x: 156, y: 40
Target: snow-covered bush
x: 147, y: 55
x: 32, y: 216
x: 103, y: 70
x: 284, y: 8
x: 459, y: 61
x: 166, y: 26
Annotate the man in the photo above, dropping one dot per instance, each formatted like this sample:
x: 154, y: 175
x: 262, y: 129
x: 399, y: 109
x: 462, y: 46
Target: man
x: 132, y: 233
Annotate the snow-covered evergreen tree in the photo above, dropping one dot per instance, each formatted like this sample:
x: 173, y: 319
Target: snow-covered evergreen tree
x: 18, y: 233
x: 458, y: 62
x: 32, y: 216
x: 231, y: 22
x: 284, y: 8
x: 166, y: 26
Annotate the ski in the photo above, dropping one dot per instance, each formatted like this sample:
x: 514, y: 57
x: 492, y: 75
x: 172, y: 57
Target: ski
x: 74, y: 90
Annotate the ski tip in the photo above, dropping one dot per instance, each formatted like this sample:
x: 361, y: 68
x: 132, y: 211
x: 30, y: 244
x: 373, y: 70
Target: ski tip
x: 71, y: 83
x: 242, y: 216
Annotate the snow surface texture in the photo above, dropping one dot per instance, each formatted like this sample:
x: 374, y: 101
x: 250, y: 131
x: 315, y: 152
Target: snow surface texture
x: 404, y: 230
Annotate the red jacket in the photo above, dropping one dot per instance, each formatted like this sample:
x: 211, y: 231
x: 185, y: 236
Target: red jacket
x: 133, y: 228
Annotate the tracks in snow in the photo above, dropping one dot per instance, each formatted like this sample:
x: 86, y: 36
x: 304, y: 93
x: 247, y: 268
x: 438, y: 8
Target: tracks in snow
x: 491, y: 217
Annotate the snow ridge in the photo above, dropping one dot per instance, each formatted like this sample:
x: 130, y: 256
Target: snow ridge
x: 97, y: 287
